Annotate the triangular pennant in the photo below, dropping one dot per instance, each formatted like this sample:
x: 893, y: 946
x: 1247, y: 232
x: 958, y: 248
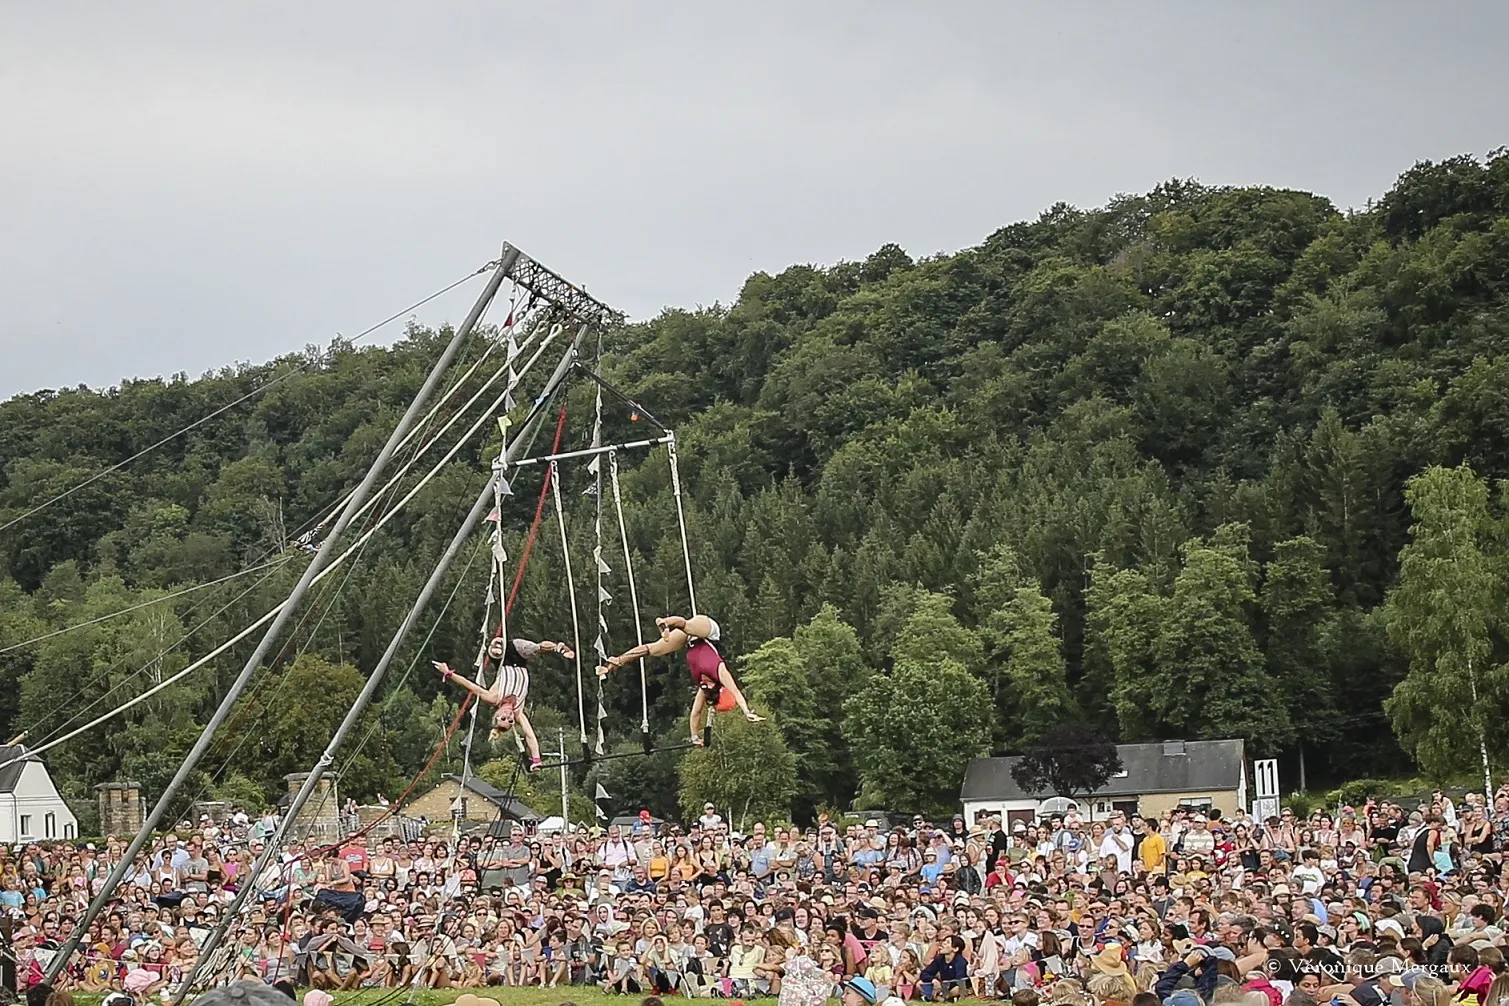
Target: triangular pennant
x: 503, y: 488
x: 508, y: 400
x: 590, y: 491
x: 592, y: 466
x: 602, y: 651
x: 602, y: 567
x: 492, y: 596
x: 503, y: 424
x: 602, y: 794
x: 513, y: 349
x: 600, y: 813
x: 603, y: 596
x: 599, y: 748
x: 494, y: 516
x: 602, y: 623
x: 499, y: 556
x: 602, y: 713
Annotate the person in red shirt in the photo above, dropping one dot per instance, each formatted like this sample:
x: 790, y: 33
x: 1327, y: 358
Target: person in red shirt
x: 1000, y: 875
x: 355, y: 854
x: 715, y: 685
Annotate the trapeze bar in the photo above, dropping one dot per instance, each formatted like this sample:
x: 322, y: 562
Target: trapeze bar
x: 588, y: 451
x: 617, y: 754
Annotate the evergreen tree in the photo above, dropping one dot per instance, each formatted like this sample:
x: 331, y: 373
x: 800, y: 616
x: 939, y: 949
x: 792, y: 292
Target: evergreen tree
x: 1038, y: 694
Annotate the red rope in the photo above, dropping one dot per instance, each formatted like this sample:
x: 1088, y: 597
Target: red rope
x: 539, y: 512
x: 396, y: 805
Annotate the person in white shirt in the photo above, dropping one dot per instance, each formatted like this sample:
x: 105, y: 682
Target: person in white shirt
x: 1198, y: 841
x: 619, y: 856
x: 1118, y: 842
x: 1308, y: 873
x: 710, y: 818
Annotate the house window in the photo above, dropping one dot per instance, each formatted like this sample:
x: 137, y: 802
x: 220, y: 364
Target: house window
x: 1201, y: 803
x: 25, y: 826
x: 68, y: 831
x: 50, y: 826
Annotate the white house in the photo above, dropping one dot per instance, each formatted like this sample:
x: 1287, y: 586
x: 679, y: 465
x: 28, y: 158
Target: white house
x: 30, y: 807
x: 1155, y: 777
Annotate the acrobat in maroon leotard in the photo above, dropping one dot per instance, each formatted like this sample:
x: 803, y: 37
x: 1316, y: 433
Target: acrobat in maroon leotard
x: 702, y: 661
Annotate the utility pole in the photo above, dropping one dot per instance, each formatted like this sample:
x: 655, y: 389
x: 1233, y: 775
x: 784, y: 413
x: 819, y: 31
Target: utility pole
x: 565, y: 794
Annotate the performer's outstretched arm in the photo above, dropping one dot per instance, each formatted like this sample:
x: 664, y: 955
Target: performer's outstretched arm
x: 486, y: 695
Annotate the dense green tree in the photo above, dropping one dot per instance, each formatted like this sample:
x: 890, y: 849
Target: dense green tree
x: 748, y: 770
x: 1296, y: 602
x: 1037, y: 695
x: 1084, y: 400
x: 1214, y: 681
x: 1446, y: 616
x: 914, y: 730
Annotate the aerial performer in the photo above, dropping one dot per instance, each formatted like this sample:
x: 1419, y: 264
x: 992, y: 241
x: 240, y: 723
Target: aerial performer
x: 695, y: 635
x: 511, y: 659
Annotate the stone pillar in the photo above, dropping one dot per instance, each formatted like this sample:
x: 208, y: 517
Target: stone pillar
x: 320, y: 821
x: 121, y: 810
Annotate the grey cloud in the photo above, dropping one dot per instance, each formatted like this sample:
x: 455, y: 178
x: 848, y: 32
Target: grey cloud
x: 186, y: 185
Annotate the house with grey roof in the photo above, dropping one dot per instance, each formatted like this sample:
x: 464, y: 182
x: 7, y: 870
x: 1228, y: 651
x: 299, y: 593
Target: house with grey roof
x: 479, y: 801
x: 1154, y: 777
x: 30, y: 807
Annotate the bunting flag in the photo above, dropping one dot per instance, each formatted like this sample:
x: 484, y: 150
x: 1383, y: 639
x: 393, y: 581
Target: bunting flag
x: 600, y: 815
x: 602, y: 794
x: 604, y: 597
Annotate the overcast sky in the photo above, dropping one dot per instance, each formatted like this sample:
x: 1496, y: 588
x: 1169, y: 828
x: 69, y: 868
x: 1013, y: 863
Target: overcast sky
x: 186, y: 185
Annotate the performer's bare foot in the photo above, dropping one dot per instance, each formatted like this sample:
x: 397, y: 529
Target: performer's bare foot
x: 696, y: 740
x: 754, y: 718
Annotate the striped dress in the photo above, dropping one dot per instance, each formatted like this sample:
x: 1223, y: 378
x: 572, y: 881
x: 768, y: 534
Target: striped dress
x: 512, y: 678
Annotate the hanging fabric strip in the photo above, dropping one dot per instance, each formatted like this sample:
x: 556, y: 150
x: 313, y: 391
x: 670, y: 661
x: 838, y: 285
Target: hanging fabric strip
x: 576, y: 632
x: 623, y: 536
x: 686, y: 548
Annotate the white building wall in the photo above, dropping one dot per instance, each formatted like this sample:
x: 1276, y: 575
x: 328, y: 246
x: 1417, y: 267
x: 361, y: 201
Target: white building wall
x: 34, y: 811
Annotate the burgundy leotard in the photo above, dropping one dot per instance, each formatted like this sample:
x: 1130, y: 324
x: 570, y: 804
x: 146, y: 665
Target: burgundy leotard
x: 703, y: 661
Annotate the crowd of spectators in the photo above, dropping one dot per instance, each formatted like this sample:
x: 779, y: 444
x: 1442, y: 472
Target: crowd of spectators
x: 1370, y: 904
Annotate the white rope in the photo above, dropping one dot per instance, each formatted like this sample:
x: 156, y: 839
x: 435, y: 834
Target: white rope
x: 623, y: 535
x: 686, y: 548
x: 514, y: 379
x: 331, y: 567
x: 576, y: 631
x: 595, y: 466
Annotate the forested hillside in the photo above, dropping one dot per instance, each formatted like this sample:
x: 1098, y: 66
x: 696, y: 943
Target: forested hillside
x: 1142, y: 465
